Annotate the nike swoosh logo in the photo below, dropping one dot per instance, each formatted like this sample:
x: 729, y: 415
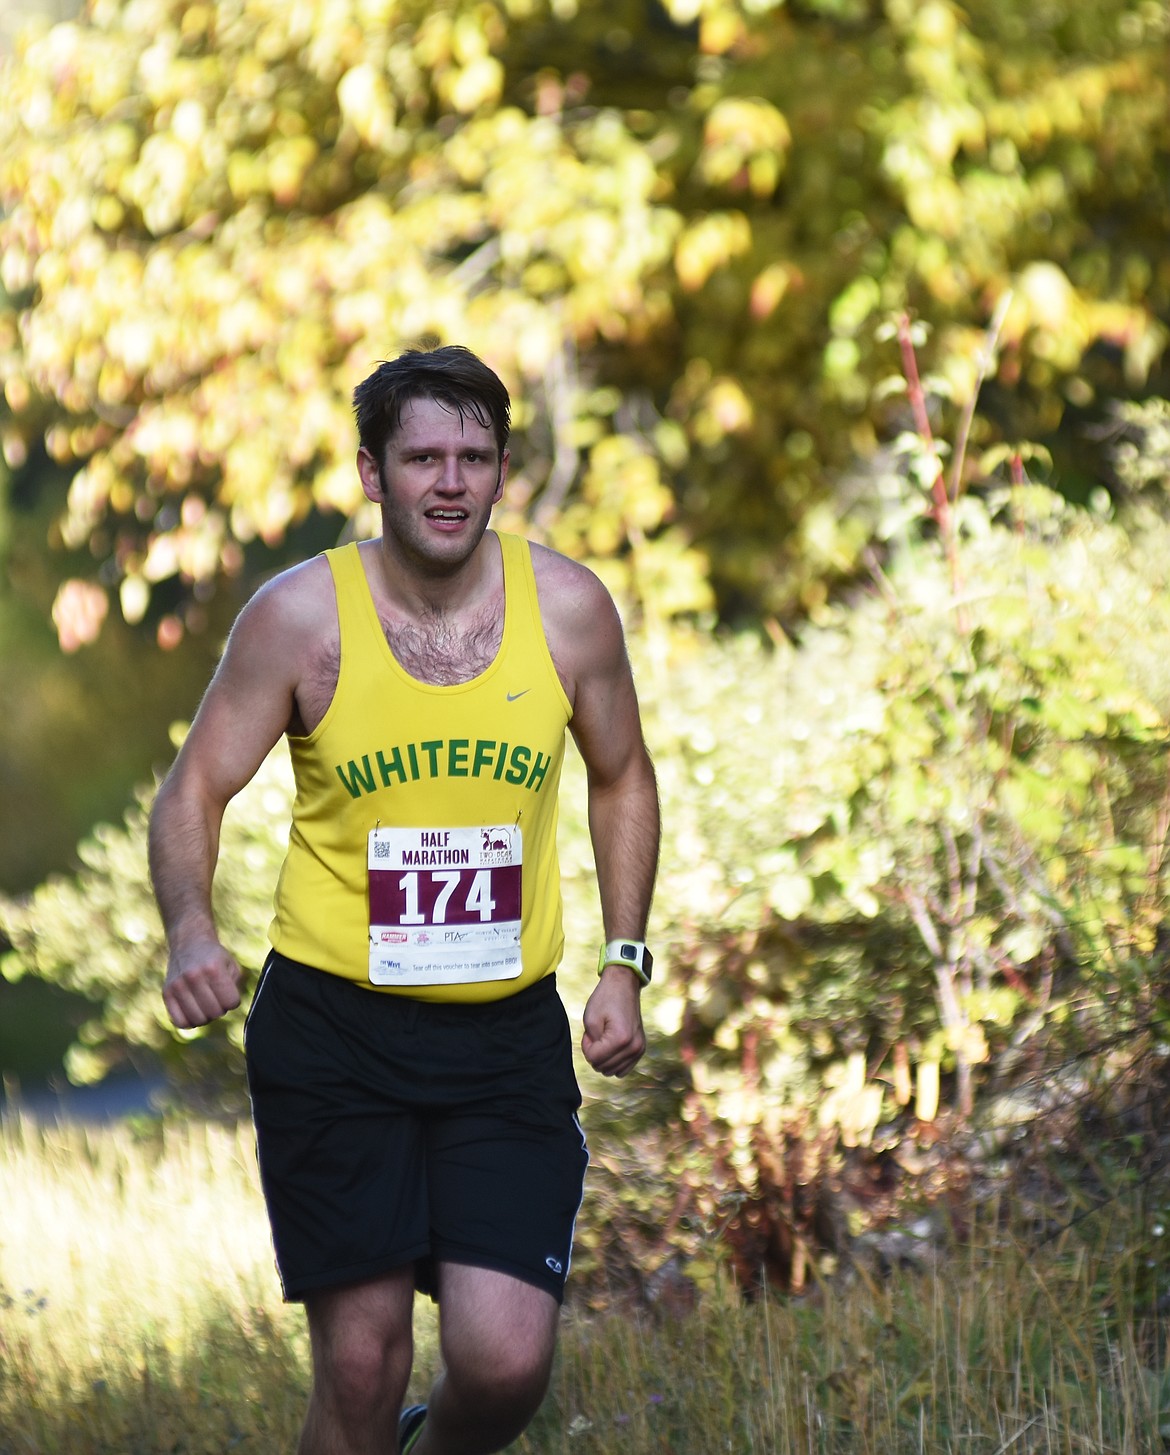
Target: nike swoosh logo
x: 512, y: 696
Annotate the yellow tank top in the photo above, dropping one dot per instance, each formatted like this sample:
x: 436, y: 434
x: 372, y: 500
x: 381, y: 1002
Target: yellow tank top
x: 422, y: 857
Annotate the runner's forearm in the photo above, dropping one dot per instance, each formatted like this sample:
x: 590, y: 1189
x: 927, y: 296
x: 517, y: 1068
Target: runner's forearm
x: 625, y: 829
x: 183, y: 848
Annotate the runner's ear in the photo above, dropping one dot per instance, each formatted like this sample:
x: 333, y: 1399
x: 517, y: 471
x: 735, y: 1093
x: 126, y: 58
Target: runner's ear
x: 370, y: 474
x: 504, y: 459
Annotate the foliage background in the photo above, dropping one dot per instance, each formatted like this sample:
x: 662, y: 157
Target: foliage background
x: 903, y: 672
x: 670, y: 227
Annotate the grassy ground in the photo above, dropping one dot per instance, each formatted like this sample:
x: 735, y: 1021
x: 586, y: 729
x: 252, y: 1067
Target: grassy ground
x: 139, y: 1313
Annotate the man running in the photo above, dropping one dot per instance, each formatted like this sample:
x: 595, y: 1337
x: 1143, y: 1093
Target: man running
x: 409, y: 1060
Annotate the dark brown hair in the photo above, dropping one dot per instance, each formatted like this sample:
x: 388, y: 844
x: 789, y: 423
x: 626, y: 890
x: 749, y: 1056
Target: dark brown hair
x: 451, y: 375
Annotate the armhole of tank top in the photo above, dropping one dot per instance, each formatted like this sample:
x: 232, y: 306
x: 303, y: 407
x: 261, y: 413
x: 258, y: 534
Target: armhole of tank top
x: 341, y: 573
x: 524, y: 574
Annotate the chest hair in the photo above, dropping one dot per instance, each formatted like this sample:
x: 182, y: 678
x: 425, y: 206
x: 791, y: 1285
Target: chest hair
x: 435, y: 650
x: 442, y: 652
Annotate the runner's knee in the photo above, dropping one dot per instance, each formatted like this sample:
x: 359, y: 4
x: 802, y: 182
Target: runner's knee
x: 358, y: 1372
x: 504, y: 1377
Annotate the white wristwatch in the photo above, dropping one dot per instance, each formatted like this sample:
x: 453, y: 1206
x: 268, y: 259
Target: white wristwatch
x: 633, y: 954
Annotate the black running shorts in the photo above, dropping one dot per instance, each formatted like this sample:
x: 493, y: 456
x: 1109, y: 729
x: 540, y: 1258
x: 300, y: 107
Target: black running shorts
x: 393, y: 1131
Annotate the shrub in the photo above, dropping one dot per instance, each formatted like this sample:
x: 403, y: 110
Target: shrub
x: 918, y: 850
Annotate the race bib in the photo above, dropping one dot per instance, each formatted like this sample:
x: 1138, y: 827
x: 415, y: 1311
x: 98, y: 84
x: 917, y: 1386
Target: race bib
x: 444, y: 905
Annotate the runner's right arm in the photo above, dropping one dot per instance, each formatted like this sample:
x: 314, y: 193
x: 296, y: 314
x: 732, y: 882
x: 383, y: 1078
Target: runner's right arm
x: 246, y: 708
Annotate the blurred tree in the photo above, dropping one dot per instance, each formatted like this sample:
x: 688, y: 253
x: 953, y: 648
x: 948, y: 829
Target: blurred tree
x: 16, y: 14
x: 86, y: 717
x: 671, y: 227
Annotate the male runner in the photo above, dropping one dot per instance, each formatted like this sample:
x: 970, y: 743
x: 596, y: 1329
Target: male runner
x: 409, y: 1060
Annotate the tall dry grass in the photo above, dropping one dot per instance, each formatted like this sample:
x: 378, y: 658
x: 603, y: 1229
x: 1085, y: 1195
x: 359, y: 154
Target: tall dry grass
x: 139, y: 1313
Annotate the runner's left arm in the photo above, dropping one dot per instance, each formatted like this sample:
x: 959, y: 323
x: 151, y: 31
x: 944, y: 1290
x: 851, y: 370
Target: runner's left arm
x: 623, y: 821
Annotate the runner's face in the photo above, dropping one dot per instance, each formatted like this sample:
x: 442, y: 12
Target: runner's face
x: 438, y: 481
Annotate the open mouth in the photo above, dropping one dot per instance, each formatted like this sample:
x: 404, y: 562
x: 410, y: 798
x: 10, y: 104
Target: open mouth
x: 446, y: 517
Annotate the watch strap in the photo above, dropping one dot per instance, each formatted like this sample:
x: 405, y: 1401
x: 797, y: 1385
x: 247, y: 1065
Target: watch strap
x: 633, y: 954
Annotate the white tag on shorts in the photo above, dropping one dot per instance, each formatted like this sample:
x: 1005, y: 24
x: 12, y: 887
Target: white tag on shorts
x: 445, y: 905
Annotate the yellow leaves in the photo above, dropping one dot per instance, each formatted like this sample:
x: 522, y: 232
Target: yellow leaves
x: 190, y: 551
x: 366, y: 103
x: 247, y: 176
x: 968, y: 1043
x: 622, y: 514
x: 134, y: 598
x: 851, y: 1103
x: 1044, y: 298
x: 14, y: 447
x: 1132, y: 327
x: 108, y: 213
x: 81, y: 64
x: 570, y: 212
x: 278, y: 170
x: 258, y: 488
x: 525, y: 214
x: 155, y: 68
x: 723, y: 24
x: 1060, y: 323
x: 723, y: 409
x: 790, y: 891
x: 456, y: 49
x: 535, y: 334
x: 854, y: 304
x: 79, y: 610
x: 926, y: 1100
x: 1065, y: 101
x: 189, y: 122
x: 196, y: 22
x: 252, y: 80
x: 160, y: 183
x: 624, y: 491
x: 490, y: 143
x: 132, y: 341
x: 670, y: 578
x: 745, y: 142
x: 948, y: 127
x: 539, y: 228
x: 16, y: 267
x: 769, y: 288
x: 710, y: 243
x: 720, y: 29
x: 924, y: 137
x: 287, y: 161
x: 936, y: 24
x: 473, y: 86
x: 337, y: 488
x: 89, y: 494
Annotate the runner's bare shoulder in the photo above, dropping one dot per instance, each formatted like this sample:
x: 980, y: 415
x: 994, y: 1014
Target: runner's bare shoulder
x: 573, y: 602
x: 293, y: 608
x: 287, y: 629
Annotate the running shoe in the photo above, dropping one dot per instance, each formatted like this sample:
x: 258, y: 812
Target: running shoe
x: 410, y: 1423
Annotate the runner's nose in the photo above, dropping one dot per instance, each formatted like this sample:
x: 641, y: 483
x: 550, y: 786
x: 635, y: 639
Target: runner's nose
x: 450, y: 480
